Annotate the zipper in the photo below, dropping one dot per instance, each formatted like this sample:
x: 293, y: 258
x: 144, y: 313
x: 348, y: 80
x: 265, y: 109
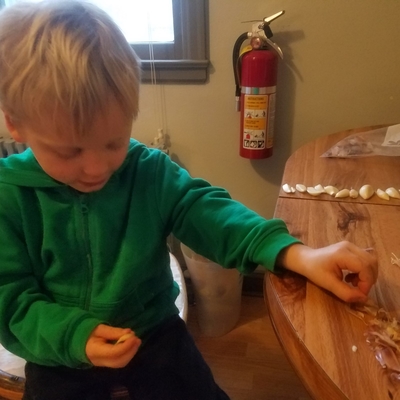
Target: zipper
x: 84, y: 210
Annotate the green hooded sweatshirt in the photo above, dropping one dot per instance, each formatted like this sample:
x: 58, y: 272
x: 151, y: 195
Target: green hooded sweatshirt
x: 70, y: 261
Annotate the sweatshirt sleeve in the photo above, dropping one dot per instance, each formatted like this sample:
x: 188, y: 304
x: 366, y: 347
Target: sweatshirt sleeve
x: 207, y: 220
x: 32, y: 326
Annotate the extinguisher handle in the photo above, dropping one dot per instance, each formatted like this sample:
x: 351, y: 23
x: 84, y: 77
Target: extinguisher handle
x: 268, y: 20
x: 264, y: 26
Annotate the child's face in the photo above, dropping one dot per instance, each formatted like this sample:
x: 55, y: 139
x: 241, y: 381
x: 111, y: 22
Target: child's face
x: 85, y: 162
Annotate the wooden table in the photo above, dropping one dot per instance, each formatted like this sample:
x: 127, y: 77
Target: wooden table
x: 315, y: 328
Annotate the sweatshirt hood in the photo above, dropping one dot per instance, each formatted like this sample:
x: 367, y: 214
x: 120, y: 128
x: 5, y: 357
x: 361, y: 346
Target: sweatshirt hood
x: 23, y: 170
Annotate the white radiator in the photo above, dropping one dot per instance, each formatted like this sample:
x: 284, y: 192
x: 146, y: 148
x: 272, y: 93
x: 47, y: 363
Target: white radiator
x: 9, y: 146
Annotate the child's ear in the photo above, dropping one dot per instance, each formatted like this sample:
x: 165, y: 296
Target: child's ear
x: 14, y: 132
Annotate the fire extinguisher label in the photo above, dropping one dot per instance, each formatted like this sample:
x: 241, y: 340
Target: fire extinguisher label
x: 255, y: 122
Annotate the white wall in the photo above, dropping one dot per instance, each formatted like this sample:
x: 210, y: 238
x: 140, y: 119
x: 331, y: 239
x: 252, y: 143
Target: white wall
x: 341, y: 71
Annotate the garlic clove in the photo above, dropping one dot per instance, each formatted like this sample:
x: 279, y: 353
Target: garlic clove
x: 314, y: 192
x: 342, y: 193
x: 382, y: 194
x: 366, y: 192
x: 301, y: 188
x: 332, y: 190
x: 288, y: 189
x: 125, y: 337
x: 353, y: 193
x: 319, y: 188
x: 392, y: 192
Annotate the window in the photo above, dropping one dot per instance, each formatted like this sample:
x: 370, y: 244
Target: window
x: 172, y: 46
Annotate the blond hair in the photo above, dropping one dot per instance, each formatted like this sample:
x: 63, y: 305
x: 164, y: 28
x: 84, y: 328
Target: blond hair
x: 64, y: 55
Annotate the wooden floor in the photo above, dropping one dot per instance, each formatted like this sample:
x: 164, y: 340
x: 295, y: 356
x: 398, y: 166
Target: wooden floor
x: 248, y: 362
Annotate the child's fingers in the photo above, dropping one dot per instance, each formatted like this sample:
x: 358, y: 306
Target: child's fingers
x: 352, y: 278
x: 364, y: 269
x: 347, y: 293
x: 105, y: 354
x: 330, y: 264
x: 128, y: 346
x: 119, y: 356
x: 125, y: 337
x: 110, y: 333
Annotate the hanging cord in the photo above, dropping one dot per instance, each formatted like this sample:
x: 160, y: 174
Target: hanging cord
x: 157, y: 90
x: 158, y: 98
x: 158, y: 95
x: 153, y: 73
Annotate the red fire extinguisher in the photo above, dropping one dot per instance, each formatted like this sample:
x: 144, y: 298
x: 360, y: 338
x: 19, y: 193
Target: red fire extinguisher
x: 255, y: 69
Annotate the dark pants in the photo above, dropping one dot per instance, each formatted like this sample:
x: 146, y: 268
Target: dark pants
x: 167, y: 367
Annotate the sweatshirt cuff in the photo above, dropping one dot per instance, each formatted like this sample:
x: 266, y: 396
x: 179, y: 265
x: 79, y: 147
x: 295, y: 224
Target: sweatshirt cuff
x: 78, y: 342
x: 268, y: 252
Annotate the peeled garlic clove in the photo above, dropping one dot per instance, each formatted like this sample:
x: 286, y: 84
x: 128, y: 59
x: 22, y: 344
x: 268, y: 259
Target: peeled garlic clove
x: 382, y: 194
x: 353, y: 193
x: 287, y: 188
x: 342, y: 193
x: 392, y: 192
x: 313, y: 191
x: 366, y: 192
x: 319, y: 188
x: 332, y: 190
x: 301, y: 188
x: 125, y: 337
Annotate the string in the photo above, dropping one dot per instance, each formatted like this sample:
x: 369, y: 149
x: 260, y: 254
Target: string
x: 158, y: 90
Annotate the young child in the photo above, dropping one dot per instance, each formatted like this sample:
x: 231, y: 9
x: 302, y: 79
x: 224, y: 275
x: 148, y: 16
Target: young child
x: 85, y: 213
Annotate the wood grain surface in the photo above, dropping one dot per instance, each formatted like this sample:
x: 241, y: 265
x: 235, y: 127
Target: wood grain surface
x: 314, y: 327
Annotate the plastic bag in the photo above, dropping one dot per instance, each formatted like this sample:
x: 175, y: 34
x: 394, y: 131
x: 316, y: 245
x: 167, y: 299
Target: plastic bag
x: 378, y: 142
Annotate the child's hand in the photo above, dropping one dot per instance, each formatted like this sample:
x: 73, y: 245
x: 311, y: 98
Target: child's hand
x: 102, y: 351
x: 327, y: 266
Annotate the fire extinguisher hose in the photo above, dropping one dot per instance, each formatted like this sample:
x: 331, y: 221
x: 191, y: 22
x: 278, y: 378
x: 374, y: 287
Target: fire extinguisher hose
x: 235, y: 61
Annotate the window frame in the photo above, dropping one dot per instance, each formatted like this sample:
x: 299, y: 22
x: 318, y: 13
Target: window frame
x: 186, y: 59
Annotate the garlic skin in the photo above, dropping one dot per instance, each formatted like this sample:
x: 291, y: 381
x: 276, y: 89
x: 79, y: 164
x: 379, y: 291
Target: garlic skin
x: 342, y: 193
x: 353, y: 193
x: 366, y: 192
x: 332, y: 190
x: 314, y: 192
x: 392, y: 192
x: 288, y: 189
x: 382, y: 194
x: 301, y: 188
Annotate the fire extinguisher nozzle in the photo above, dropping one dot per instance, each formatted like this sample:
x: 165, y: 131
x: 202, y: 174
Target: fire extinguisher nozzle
x: 237, y: 102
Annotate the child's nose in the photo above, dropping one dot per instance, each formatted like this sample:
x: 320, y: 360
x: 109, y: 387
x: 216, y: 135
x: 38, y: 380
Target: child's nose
x: 95, y: 164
